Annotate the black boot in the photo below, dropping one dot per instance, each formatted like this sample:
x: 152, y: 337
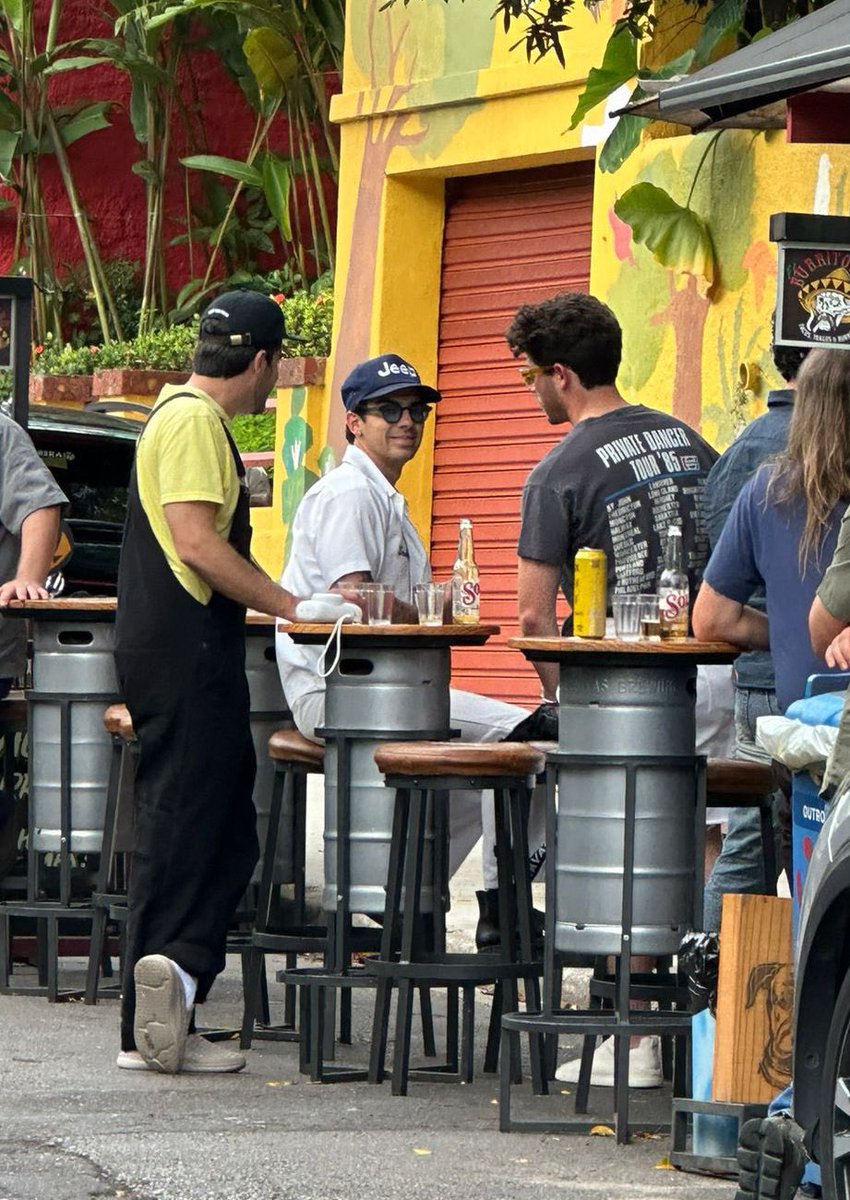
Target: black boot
x: 487, y: 936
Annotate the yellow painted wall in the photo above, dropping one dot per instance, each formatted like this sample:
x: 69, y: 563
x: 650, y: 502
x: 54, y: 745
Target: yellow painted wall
x: 434, y: 91
x: 671, y: 336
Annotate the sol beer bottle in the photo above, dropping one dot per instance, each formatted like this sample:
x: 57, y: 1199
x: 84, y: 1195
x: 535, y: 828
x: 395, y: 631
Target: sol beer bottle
x: 673, y: 591
x: 465, y: 588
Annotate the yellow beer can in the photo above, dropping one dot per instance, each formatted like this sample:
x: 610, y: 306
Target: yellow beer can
x: 590, y: 593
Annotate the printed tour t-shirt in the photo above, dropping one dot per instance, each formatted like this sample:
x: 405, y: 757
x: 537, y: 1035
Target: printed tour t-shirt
x: 616, y: 483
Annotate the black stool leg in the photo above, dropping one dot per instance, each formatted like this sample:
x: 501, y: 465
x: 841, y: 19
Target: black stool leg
x: 383, y: 988
x: 253, y: 974
x: 507, y: 916
x: 519, y: 798
x: 412, y: 891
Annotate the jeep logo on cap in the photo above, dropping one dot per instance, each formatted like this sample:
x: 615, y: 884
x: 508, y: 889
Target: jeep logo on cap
x: 387, y: 368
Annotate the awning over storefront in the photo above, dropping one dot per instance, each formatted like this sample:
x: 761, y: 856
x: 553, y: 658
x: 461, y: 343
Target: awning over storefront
x: 811, y: 53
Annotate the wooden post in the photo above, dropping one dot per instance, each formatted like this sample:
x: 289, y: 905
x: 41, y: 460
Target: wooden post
x: 755, y: 1000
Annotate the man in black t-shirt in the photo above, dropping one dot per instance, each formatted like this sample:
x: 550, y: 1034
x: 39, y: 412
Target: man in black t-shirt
x: 621, y: 476
x: 616, y: 482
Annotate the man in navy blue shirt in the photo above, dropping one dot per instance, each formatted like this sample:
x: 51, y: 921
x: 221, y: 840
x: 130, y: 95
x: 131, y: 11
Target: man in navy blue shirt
x: 740, y: 866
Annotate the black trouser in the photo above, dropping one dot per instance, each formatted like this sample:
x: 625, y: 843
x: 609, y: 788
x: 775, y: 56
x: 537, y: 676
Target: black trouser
x: 195, y: 837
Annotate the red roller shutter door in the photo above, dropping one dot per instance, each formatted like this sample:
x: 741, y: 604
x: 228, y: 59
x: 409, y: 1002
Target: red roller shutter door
x: 509, y: 239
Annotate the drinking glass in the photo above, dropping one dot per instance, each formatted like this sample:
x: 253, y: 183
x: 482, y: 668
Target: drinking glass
x: 650, y: 621
x: 429, y: 598
x: 626, y: 607
x: 377, y: 602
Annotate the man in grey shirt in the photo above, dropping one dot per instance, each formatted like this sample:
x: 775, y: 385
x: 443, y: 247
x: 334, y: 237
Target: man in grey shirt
x: 30, y: 504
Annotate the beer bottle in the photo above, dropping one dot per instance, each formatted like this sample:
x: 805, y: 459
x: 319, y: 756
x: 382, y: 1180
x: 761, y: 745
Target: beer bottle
x: 673, y: 591
x: 465, y: 589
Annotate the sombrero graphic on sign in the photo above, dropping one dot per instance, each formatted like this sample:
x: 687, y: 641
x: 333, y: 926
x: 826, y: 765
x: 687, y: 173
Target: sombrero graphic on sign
x: 813, y: 280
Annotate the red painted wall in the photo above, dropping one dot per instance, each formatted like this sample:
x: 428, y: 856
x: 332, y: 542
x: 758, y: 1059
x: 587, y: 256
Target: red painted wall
x: 220, y: 121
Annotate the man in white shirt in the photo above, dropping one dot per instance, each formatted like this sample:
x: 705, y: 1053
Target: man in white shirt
x: 353, y: 526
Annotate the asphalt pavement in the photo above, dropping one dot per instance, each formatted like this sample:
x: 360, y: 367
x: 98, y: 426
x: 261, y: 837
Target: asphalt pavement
x: 74, y: 1127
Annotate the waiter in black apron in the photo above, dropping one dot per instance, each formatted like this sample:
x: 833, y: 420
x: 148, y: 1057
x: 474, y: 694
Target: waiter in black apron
x: 184, y: 582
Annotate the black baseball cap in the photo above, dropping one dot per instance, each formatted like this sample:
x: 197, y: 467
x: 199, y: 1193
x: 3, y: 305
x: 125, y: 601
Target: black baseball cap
x: 382, y: 376
x: 244, y: 318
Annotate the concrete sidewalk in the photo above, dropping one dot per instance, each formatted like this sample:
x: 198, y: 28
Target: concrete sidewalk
x: 75, y: 1127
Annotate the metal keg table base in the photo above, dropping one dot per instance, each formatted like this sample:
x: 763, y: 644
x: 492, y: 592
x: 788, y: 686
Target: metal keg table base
x: 317, y: 1015
x: 49, y: 912
x: 595, y: 1022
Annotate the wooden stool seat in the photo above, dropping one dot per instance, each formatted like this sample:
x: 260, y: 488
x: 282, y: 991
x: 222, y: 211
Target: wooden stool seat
x: 288, y: 745
x: 516, y: 760
x: 737, y: 777
x: 116, y: 720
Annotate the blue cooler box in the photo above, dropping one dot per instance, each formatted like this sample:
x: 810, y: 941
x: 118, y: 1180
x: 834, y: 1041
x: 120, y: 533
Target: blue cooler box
x: 808, y: 813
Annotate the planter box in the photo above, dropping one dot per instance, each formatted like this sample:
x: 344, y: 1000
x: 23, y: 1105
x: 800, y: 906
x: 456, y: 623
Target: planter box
x: 133, y: 382
x: 64, y: 391
x: 300, y: 372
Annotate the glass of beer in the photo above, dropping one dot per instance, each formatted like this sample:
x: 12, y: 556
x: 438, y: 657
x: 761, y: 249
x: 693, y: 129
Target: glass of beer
x: 650, y: 620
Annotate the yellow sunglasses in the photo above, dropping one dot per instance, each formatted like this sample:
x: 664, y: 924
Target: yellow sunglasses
x: 530, y: 374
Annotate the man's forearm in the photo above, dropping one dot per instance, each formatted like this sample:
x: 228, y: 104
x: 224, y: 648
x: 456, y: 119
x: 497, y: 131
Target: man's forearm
x: 227, y: 572
x: 39, y: 537
x: 534, y: 624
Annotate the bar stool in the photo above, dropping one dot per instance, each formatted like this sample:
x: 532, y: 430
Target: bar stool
x: 295, y: 758
x: 428, y: 772
x: 109, y: 899
x: 621, y: 1021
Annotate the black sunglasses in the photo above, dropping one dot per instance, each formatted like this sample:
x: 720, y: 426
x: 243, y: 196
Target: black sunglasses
x: 392, y: 411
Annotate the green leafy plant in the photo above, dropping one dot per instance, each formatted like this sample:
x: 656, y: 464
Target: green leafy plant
x: 78, y: 313
x: 253, y: 433
x: 308, y: 315
x: 159, y: 350
x: 52, y: 358
x: 31, y: 126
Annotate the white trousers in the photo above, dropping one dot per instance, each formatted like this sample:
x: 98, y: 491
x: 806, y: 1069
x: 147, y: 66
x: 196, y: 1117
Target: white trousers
x: 471, y: 813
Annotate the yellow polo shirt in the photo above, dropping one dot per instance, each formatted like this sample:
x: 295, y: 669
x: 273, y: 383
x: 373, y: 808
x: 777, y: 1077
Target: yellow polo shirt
x: 184, y: 455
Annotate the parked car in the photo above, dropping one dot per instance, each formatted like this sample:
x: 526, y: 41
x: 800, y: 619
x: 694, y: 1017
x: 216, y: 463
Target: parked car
x: 91, y: 456
x: 822, y: 1005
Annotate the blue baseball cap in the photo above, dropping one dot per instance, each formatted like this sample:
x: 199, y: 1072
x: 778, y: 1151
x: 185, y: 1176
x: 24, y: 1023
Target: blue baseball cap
x: 382, y: 376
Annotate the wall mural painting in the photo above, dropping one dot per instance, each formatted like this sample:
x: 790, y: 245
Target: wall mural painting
x: 387, y: 46
x: 714, y: 179
x: 385, y: 58
x: 297, y: 440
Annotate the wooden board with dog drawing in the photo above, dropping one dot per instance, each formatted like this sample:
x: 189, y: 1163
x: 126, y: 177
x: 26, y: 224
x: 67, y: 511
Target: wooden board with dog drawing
x: 755, y: 1000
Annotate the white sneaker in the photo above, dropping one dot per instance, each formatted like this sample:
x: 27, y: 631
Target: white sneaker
x: 644, y: 1065
x: 200, y: 1058
x: 162, y: 1016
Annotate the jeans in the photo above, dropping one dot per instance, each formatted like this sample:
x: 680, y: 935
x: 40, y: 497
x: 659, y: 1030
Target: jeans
x: 740, y: 865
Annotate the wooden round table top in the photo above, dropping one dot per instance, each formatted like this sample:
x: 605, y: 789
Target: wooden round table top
x: 64, y: 604
x: 412, y: 635
x: 644, y: 652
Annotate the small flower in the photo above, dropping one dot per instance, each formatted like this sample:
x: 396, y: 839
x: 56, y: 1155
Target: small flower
x: 93, y: 349
x: 38, y: 350
x: 279, y: 298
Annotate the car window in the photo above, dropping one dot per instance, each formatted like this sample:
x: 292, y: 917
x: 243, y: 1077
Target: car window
x: 93, y: 472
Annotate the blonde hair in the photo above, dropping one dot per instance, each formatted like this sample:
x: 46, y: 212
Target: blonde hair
x: 815, y: 466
